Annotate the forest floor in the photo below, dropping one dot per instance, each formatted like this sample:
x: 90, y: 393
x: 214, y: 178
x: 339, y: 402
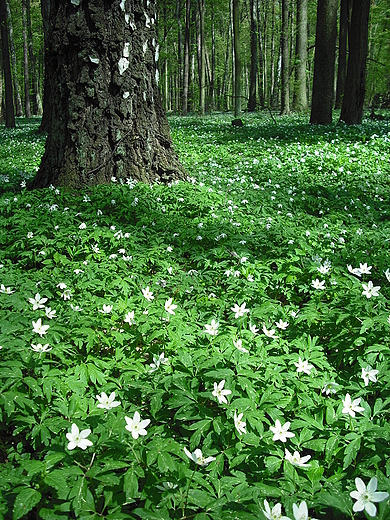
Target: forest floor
x: 204, y: 350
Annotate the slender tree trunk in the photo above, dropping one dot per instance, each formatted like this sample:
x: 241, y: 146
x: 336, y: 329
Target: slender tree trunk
x: 285, y: 104
x: 186, y: 71
x: 179, y: 56
x: 107, y: 118
x: 18, y: 99
x: 342, y: 62
x: 253, y: 71
x: 212, y: 77
x: 324, y: 63
x: 202, y: 58
x: 237, y: 55
x: 37, y: 102
x: 300, y: 93
x: 47, y: 20
x: 224, y: 90
x: 27, y: 105
x: 272, y: 57
x: 355, y: 83
x: 9, y: 101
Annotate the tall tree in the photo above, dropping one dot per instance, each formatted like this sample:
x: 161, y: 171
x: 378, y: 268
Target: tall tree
x: 342, y: 61
x: 300, y: 93
x: 106, y: 118
x: 237, y: 58
x: 253, y: 71
x: 186, y: 69
x: 17, y: 96
x: 36, y: 98
x: 9, y: 102
x: 202, y: 58
x: 285, y: 104
x: 355, y: 83
x: 27, y: 105
x: 324, y: 62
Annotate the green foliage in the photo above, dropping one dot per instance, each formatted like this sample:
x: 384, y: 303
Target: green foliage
x: 270, y: 209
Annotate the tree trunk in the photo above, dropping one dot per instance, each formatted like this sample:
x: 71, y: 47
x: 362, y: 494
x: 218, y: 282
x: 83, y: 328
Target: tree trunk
x: 106, y: 117
x: 355, y: 83
x: 237, y: 58
x: 18, y: 99
x: 186, y: 71
x: 300, y: 94
x: 27, y: 105
x: 253, y: 72
x: 272, y: 58
x: 202, y: 58
x: 9, y: 102
x: 342, y: 62
x: 36, y: 98
x: 324, y: 62
x: 285, y: 105
x: 47, y: 20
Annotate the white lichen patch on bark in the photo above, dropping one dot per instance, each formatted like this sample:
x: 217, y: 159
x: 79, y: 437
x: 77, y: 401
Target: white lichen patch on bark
x: 122, y: 4
x: 157, y: 76
x: 126, y: 95
x: 145, y: 46
x: 126, y: 50
x: 147, y: 22
x: 157, y: 53
x: 75, y: 2
x: 123, y: 65
x: 94, y: 60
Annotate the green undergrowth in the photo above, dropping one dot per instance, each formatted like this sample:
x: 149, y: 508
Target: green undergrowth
x: 256, y: 294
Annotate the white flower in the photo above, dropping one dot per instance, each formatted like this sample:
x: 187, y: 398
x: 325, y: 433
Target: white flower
x: 38, y: 328
x: 365, y: 496
x: 136, y: 426
x: 301, y: 512
x: 351, y: 407
x: 317, y: 284
x: 148, y: 294
x: 77, y: 438
x: 303, y: 366
x: 220, y: 393
x: 41, y: 348
x: 269, y: 333
x: 37, y: 302
x: 323, y: 269
x: 170, y: 307
x: 365, y: 269
x: 198, y: 457
x: 107, y: 402
x: 66, y: 295
x: 275, y: 513
x: 106, y: 309
x: 62, y: 286
x: 253, y: 328
x: 281, y: 433
x: 238, y: 345
x: 157, y: 361
x: 50, y: 314
x: 83, y: 225
x: 330, y: 388
x: 239, y: 424
x: 239, y: 310
x: 76, y: 308
x: 369, y: 374
x: 282, y: 325
x: 212, y: 329
x: 387, y: 274
x: 355, y: 270
x: 296, y: 459
x: 370, y: 290
x: 129, y: 318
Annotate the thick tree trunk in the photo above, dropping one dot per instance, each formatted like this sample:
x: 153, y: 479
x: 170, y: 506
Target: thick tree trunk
x: 355, y: 83
x: 324, y: 62
x: 237, y: 58
x: 106, y: 117
x: 342, y: 62
x: 9, y: 102
x: 186, y: 71
x: 18, y: 99
x: 285, y: 105
x: 202, y: 58
x: 36, y: 98
x: 300, y: 94
x: 27, y: 105
x: 253, y: 72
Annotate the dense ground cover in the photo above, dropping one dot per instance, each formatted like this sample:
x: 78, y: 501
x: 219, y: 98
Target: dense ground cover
x: 226, y: 314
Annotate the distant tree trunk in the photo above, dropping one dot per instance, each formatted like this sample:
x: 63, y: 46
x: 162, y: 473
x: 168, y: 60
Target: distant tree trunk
x: 355, y: 83
x: 253, y: 71
x: 272, y: 58
x: 186, y: 70
x: 342, y: 61
x: 324, y: 63
x: 285, y: 105
x: 47, y: 20
x: 262, y: 67
x: 18, y: 99
x: 300, y: 94
x: 27, y: 105
x: 212, y: 76
x: 106, y: 112
x: 202, y: 58
x: 237, y: 58
x: 37, y: 102
x: 9, y: 101
x: 179, y: 95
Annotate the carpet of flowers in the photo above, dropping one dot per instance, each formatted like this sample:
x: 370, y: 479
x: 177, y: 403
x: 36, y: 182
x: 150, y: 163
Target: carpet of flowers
x: 217, y: 348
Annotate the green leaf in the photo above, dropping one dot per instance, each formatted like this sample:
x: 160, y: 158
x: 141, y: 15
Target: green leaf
x: 330, y: 447
x: 25, y: 501
x: 351, y: 451
x: 130, y: 484
x: 165, y: 462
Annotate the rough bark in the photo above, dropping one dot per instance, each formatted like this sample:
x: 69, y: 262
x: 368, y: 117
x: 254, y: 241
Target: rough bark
x: 237, y: 58
x: 27, y: 104
x: 9, y: 102
x: 300, y: 93
x: 186, y: 70
x: 18, y: 98
x: 324, y: 63
x: 253, y: 71
x: 355, y: 82
x: 106, y: 117
x: 342, y: 61
x: 285, y: 101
